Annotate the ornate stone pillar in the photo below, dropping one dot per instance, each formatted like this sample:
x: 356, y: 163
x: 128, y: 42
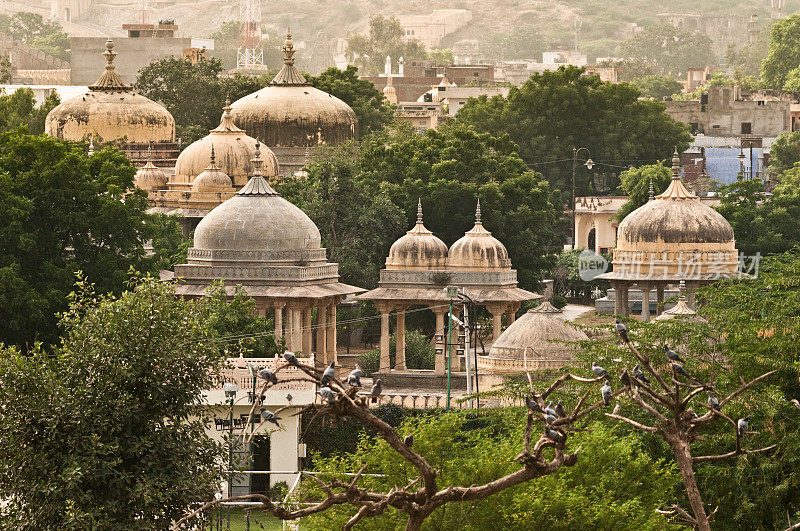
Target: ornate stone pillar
x: 659, y: 299
x: 497, y: 319
x: 278, y: 320
x: 511, y: 315
x: 626, y: 309
x: 306, y: 323
x: 617, y: 297
x: 322, y: 328
x: 644, y: 287
x: 261, y: 307
x: 384, y: 310
x: 400, y: 354
x: 330, y: 335
x: 295, y: 326
x: 441, y: 330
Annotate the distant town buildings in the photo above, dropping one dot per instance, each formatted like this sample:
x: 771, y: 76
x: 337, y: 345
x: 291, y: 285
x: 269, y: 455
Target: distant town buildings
x: 430, y: 29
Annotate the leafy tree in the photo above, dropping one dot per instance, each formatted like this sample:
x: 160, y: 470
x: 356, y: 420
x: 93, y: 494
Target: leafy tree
x: 614, y: 483
x: 18, y: 109
x: 554, y: 112
x: 784, y: 152
x: 567, y: 280
x: 519, y: 42
x: 105, y: 432
x: 6, y: 69
x: 33, y: 30
x: 761, y: 225
x: 194, y: 93
x: 64, y: 212
x: 356, y: 217
x: 745, y: 82
x: 793, y: 80
x: 361, y: 95
x: 670, y: 50
x: 658, y: 87
x: 630, y: 68
x: 443, y: 56
x: 784, y: 52
x: 635, y: 183
x: 170, y: 246
x: 385, y: 38
x: 747, y: 59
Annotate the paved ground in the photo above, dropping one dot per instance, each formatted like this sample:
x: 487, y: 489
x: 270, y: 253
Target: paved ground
x: 573, y: 311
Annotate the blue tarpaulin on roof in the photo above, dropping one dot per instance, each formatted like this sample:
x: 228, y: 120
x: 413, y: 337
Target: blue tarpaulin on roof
x: 723, y: 165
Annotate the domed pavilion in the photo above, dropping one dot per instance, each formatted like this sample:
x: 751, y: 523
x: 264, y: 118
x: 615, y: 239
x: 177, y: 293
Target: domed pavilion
x: 672, y: 237
x: 535, y: 341
x: 232, y: 150
x: 271, y: 248
x: 419, y: 268
x: 289, y: 115
x: 112, y: 112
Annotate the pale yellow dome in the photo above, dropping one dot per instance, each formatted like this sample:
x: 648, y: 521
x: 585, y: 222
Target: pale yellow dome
x: 234, y: 151
x: 418, y: 249
x: 478, y: 249
x: 150, y: 177
x: 111, y: 111
x: 289, y: 112
x: 212, y: 179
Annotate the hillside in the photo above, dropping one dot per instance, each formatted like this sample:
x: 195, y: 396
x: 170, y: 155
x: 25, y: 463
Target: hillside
x: 603, y: 24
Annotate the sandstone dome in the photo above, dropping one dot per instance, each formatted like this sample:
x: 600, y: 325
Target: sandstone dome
x: 234, y: 150
x: 111, y: 111
x: 212, y: 179
x: 418, y: 249
x: 289, y: 112
x: 150, y: 177
x: 478, y: 249
x: 257, y: 225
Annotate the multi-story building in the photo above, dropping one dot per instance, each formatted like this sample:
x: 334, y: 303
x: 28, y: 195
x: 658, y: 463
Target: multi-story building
x: 430, y: 29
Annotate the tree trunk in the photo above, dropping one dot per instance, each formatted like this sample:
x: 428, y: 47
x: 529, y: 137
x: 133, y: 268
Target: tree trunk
x: 414, y: 522
x: 683, y: 456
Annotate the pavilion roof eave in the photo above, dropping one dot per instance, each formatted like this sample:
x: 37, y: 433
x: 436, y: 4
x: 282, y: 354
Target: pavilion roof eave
x: 671, y: 278
x: 507, y: 294
x: 318, y: 291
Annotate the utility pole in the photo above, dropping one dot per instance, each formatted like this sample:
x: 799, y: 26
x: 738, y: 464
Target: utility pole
x: 467, y: 361
x: 589, y: 164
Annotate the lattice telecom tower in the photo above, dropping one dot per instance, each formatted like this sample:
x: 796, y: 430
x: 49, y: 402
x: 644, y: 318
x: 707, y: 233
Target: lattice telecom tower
x: 777, y: 8
x: 140, y: 8
x: 250, y: 52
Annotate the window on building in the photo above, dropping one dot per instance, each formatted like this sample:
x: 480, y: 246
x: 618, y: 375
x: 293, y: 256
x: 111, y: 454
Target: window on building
x: 747, y: 128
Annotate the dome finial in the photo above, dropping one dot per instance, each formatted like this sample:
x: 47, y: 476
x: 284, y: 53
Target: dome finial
x: 257, y: 185
x: 419, y: 210
x: 650, y: 189
x: 110, y: 80
x: 676, y: 164
x: 91, y: 146
x: 213, y: 157
x: 257, y: 160
x: 288, y: 48
x: 289, y: 75
x: 478, y: 213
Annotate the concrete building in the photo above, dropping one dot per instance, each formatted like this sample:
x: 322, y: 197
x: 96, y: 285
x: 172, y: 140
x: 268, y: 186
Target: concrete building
x: 145, y: 44
x: 67, y: 10
x: 290, y: 116
x: 430, y: 29
x: 413, y: 79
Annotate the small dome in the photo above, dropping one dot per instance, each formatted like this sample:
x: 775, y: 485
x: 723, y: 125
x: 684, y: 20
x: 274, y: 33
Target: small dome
x: 539, y: 335
x: 389, y: 92
x: 257, y: 220
x: 111, y: 111
x: 289, y: 112
x: 149, y: 177
x: 418, y: 249
x: 234, y: 150
x: 673, y: 230
x: 478, y: 249
x: 212, y: 179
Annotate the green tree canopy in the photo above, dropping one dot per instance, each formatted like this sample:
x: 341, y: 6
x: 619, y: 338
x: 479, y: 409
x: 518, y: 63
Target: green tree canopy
x: 784, y: 152
x: 519, y: 42
x: 361, y: 95
x: 385, y: 38
x: 784, y: 52
x: 670, y: 50
x: 635, y: 183
x: 658, y: 87
x: 64, y: 212
x: 33, y: 30
x: 554, y: 112
x: 107, y: 431
x: 18, y: 109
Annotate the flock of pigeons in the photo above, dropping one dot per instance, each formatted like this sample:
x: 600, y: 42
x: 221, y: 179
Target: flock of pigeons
x: 325, y: 391
x: 552, y: 413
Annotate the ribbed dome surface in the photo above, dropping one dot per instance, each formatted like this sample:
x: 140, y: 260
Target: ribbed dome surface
x: 674, y: 221
x: 150, y: 177
x: 542, y: 332
x: 478, y: 249
x: 111, y: 111
x: 291, y: 113
x: 234, y: 151
x: 418, y: 249
x: 212, y: 179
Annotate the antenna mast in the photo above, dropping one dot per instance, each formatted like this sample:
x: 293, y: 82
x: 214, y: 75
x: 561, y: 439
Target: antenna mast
x: 250, y: 52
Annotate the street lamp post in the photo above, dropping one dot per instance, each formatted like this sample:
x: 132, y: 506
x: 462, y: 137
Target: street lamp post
x: 589, y: 164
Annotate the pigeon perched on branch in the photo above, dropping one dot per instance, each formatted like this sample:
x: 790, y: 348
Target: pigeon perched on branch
x: 713, y: 403
x: 268, y: 375
x: 639, y: 375
x: 625, y: 379
x: 408, y: 440
x: 742, y: 424
x: 606, y: 392
x: 326, y: 393
x: 622, y: 330
x: 269, y: 416
x: 598, y: 370
x: 253, y: 369
x: 377, y: 389
x: 291, y: 358
x: 354, y: 378
x: 560, y: 410
x: 678, y: 368
x: 671, y: 354
x: 554, y: 435
x: 329, y: 373
x: 548, y: 410
x: 533, y: 405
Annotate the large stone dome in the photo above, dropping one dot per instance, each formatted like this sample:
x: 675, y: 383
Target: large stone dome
x: 234, y: 150
x: 675, y: 235
x: 478, y: 249
x: 257, y: 225
x: 418, y: 249
x: 289, y: 112
x: 111, y: 111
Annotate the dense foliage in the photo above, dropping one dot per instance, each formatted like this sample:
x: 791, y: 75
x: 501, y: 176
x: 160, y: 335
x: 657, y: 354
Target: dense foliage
x: 554, y: 112
x: 103, y: 432
x: 38, y: 33
x: 784, y: 52
x: 669, y: 50
x: 657, y: 87
x: 64, y: 212
x: 385, y: 38
x: 635, y: 183
x: 19, y: 109
x: 784, y: 152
